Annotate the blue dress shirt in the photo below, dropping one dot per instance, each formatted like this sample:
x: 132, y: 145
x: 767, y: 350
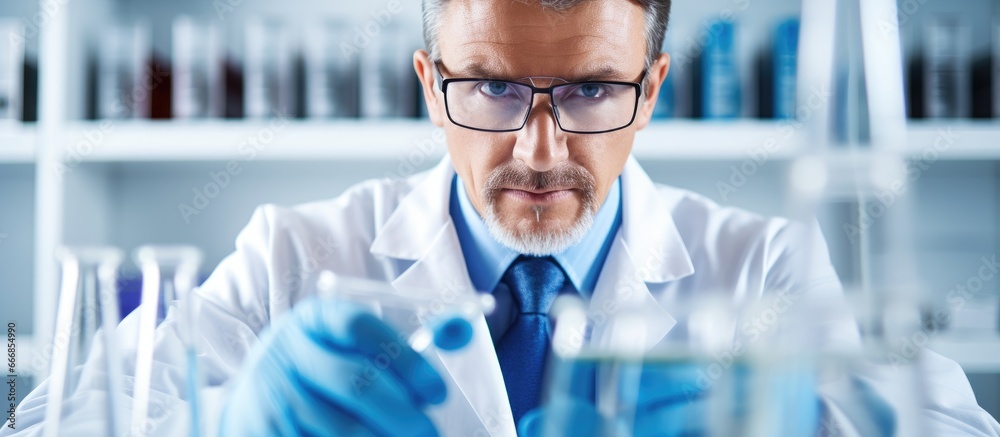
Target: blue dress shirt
x: 487, y: 260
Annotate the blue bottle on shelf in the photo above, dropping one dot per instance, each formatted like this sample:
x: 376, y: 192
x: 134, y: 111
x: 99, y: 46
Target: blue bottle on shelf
x: 786, y: 46
x: 720, y: 82
x: 665, y: 100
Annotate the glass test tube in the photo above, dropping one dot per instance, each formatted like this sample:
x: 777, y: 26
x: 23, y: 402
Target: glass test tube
x: 852, y: 162
x: 617, y: 363
x: 88, y: 299
x: 156, y: 264
x: 437, y: 313
x: 703, y: 347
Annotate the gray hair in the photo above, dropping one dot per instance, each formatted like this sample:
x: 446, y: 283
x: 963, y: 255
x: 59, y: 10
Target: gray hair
x: 657, y: 16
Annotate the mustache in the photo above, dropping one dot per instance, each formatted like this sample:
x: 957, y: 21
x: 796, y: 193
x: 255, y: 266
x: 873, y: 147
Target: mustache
x: 512, y: 175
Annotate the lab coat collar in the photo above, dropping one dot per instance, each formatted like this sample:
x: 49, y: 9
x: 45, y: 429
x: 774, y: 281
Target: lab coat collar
x: 419, y: 218
x: 648, y: 230
x: 648, y: 249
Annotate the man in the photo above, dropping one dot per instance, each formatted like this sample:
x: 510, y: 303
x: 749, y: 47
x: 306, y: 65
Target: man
x: 540, y: 102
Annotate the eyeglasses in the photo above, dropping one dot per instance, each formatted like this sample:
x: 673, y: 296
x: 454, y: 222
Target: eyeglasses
x: 590, y: 107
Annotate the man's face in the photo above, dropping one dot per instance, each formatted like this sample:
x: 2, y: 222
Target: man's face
x: 538, y: 188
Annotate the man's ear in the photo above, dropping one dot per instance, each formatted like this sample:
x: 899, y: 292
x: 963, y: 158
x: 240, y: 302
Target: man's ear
x: 657, y: 74
x: 424, y: 68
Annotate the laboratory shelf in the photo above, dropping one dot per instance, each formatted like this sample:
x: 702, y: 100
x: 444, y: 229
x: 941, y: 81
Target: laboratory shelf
x: 125, y: 141
x: 17, y: 143
x: 718, y: 140
x: 756, y: 139
x: 954, y: 139
x: 274, y: 140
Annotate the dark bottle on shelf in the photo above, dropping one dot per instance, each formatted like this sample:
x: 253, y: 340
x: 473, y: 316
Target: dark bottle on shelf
x: 939, y: 75
x: 985, y: 82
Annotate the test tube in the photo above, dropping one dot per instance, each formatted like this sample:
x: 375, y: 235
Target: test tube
x: 620, y: 355
x: 88, y: 292
x: 704, y: 330
x: 157, y: 288
x: 449, y: 329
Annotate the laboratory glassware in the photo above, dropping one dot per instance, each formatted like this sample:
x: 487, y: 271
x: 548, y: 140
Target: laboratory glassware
x: 159, y: 288
x: 88, y: 304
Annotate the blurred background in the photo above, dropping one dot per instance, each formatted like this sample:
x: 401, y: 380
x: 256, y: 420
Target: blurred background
x: 127, y: 122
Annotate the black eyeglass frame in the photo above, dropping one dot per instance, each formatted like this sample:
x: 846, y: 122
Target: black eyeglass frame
x: 443, y: 84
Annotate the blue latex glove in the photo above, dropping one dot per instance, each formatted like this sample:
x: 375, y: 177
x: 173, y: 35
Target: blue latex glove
x: 332, y: 368
x: 673, y: 401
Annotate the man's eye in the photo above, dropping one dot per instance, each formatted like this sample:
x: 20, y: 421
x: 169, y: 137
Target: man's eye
x: 494, y: 88
x: 589, y: 90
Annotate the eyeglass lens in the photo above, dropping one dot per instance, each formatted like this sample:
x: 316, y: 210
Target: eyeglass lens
x: 502, y: 105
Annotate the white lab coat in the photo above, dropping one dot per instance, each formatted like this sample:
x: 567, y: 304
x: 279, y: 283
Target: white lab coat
x: 671, y: 243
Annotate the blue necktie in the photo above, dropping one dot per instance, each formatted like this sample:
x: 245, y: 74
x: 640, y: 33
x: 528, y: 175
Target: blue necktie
x: 534, y: 284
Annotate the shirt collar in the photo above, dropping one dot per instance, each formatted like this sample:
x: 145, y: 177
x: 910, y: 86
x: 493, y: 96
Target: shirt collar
x: 487, y: 260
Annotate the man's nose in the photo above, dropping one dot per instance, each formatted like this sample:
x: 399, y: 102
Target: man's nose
x: 541, y: 145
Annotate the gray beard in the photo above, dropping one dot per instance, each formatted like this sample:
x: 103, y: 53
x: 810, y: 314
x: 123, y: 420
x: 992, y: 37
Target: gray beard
x: 539, y: 243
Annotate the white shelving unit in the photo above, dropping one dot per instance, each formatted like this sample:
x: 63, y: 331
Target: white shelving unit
x: 385, y: 140
x: 149, y: 141
x: 226, y: 140
x: 17, y: 143
x: 127, y: 184
x: 964, y: 139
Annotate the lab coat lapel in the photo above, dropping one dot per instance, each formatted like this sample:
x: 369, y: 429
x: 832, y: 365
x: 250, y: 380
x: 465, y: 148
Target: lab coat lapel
x: 648, y: 249
x: 421, y: 229
x: 621, y: 293
x: 474, y: 369
x: 648, y: 229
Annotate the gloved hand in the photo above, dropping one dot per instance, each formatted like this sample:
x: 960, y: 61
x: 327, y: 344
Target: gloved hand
x: 332, y: 368
x: 673, y: 400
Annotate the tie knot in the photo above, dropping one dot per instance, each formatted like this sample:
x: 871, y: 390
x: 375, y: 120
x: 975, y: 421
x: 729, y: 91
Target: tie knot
x: 534, y: 283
